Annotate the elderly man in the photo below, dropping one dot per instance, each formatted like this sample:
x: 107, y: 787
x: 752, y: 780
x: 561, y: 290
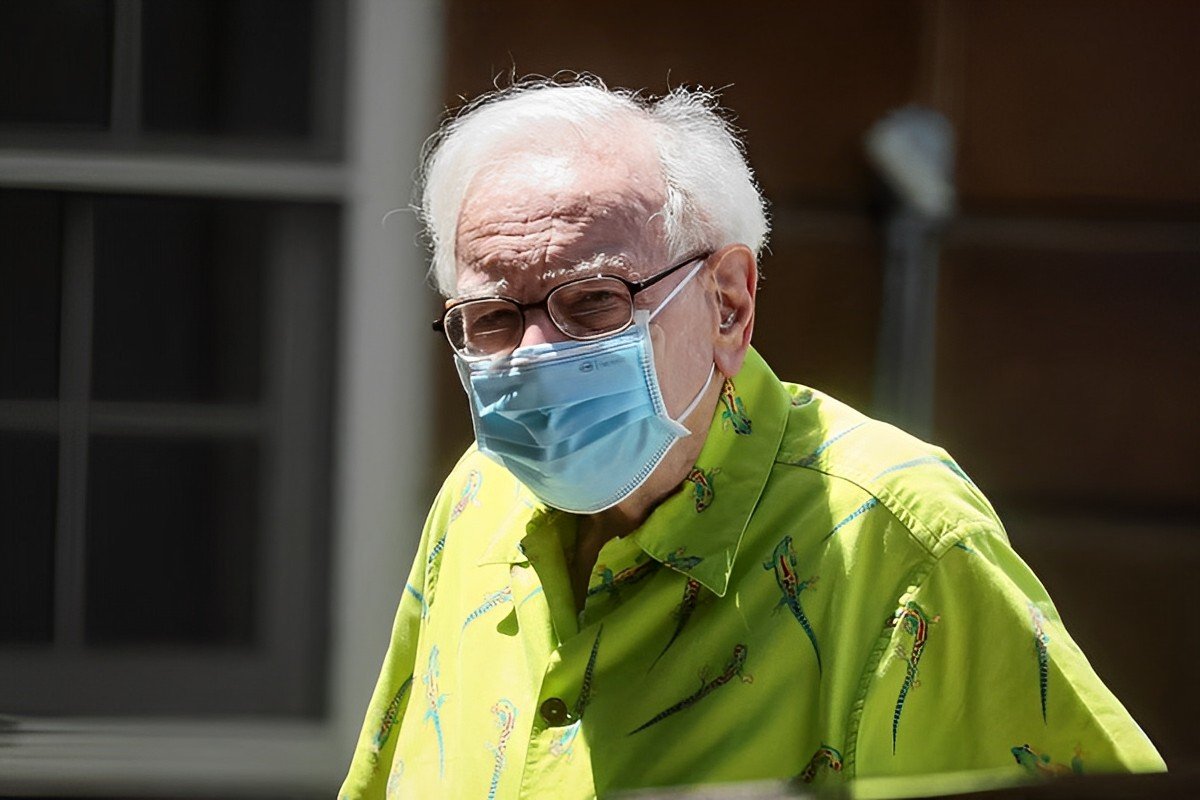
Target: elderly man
x: 660, y: 565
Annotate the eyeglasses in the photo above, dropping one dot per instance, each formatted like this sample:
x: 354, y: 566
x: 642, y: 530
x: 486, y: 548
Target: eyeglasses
x: 583, y: 309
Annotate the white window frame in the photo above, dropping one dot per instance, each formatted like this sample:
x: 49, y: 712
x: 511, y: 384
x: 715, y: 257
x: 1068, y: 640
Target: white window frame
x: 382, y: 436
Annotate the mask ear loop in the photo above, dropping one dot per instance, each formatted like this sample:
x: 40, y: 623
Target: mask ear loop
x: 712, y: 370
x: 678, y: 288
x: 687, y: 412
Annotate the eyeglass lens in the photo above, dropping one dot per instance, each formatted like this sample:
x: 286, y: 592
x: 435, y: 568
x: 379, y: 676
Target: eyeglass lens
x: 484, y: 327
x: 590, y: 307
x: 583, y: 309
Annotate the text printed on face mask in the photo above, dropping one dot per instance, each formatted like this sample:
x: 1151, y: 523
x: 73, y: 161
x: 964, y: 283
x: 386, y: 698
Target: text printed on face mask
x: 588, y: 366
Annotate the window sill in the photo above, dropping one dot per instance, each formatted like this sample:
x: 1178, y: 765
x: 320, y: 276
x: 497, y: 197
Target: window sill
x: 172, y: 174
x: 170, y: 758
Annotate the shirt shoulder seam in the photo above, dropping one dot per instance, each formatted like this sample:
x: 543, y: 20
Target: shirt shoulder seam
x: 934, y: 540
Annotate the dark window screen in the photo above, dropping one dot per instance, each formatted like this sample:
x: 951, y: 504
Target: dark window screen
x: 30, y: 288
x: 55, y: 58
x: 170, y: 542
x: 230, y: 68
x: 179, y: 299
x: 28, y: 480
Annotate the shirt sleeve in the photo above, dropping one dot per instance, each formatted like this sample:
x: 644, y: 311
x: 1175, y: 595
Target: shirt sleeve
x: 977, y: 677
x: 370, y: 767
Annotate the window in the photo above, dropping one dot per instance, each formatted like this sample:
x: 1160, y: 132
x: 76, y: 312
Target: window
x: 167, y: 345
x: 282, y: 277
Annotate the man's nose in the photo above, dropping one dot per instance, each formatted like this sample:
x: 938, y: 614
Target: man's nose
x: 539, y: 329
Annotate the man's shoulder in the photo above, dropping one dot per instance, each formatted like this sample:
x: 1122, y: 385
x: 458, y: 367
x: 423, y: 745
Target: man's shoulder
x: 918, y: 483
x: 477, y: 481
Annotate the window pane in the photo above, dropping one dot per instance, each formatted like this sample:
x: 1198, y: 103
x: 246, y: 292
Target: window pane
x: 30, y: 282
x: 55, y: 62
x: 240, y: 68
x: 28, y: 478
x: 170, y: 541
x: 178, y: 299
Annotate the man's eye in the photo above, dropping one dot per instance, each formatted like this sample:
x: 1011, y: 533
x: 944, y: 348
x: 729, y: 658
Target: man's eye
x: 490, y: 323
x: 597, y: 312
x: 601, y: 300
x: 488, y: 328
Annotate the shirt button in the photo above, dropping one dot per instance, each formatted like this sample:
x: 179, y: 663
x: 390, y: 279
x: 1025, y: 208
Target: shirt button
x: 554, y: 711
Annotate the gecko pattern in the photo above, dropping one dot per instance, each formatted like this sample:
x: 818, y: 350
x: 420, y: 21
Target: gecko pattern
x: 435, y: 701
x: 826, y: 756
x: 468, y: 495
x: 853, y: 515
x: 734, y: 416
x: 912, y: 619
x: 433, y: 565
x: 393, y: 781
x: 436, y: 550
x: 803, y: 397
x: 506, y: 719
x: 1040, y: 640
x: 491, y: 601
x: 389, y: 716
x: 612, y: 584
x: 420, y: 598
x: 702, y: 487
x: 735, y: 668
x: 691, y: 594
x: 681, y: 562
x: 562, y: 746
x: 1042, y: 765
x: 783, y: 562
x: 812, y: 457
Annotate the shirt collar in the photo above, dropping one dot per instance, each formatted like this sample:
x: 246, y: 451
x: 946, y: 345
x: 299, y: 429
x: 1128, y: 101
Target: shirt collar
x: 527, y: 515
x: 697, y: 530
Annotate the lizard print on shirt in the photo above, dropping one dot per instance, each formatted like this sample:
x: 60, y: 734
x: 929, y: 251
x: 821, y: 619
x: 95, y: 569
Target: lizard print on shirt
x: 783, y: 562
x: 735, y: 668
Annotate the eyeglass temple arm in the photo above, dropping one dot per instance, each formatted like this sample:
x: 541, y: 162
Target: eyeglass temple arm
x: 646, y: 284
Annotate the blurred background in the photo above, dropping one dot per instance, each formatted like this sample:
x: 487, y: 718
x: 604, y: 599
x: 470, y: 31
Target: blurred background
x: 223, y: 415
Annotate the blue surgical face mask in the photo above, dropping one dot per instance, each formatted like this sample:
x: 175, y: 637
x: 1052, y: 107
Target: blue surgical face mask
x: 582, y: 424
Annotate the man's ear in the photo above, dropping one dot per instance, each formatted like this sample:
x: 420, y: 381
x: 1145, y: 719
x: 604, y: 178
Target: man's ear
x: 735, y: 282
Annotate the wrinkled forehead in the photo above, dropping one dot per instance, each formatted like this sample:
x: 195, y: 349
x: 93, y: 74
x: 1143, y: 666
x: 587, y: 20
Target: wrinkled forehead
x: 536, y: 214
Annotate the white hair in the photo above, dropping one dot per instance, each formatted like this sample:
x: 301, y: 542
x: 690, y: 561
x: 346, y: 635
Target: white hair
x: 712, y: 198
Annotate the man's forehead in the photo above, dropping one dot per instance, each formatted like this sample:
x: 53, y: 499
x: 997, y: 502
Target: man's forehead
x: 533, y: 218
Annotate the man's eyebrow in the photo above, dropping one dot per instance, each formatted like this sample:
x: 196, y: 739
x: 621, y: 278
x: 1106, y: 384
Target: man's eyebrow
x: 609, y: 264
x: 486, y: 289
x: 588, y: 267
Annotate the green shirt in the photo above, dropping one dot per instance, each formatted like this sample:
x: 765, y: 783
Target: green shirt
x: 824, y: 599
